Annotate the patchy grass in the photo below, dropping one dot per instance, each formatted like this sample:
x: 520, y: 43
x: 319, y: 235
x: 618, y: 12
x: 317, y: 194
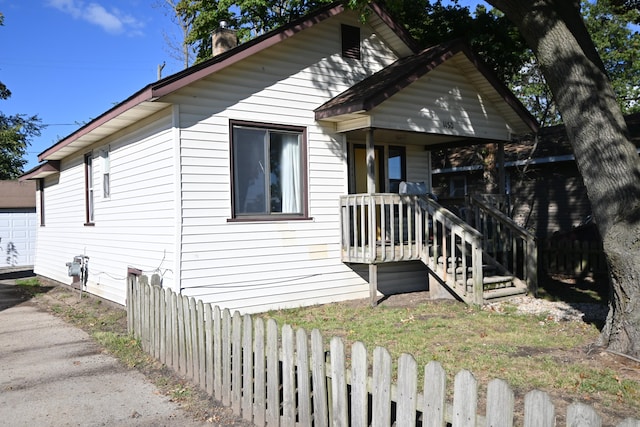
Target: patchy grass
x: 528, y: 351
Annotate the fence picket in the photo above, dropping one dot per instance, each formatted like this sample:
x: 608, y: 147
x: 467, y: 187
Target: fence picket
x: 273, y: 375
x: 247, y: 368
x: 226, y: 357
x: 407, y: 391
x: 182, y: 340
x: 155, y: 325
x: 145, y: 319
x: 130, y: 304
x: 359, y: 393
x: 381, y: 399
x: 465, y: 399
x: 434, y: 395
x: 151, y: 321
x: 189, y: 330
x: 288, y: 377
x: 217, y: 353
x: 260, y: 378
x: 581, y: 415
x: 338, y: 384
x: 162, y: 327
x: 303, y: 379
x: 236, y: 363
x: 319, y: 380
x: 500, y: 401
x: 538, y: 409
x: 208, y: 340
x: 175, y: 346
x: 201, y: 371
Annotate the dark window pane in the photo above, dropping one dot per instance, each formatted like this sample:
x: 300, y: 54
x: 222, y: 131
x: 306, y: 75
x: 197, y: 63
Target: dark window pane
x: 249, y: 171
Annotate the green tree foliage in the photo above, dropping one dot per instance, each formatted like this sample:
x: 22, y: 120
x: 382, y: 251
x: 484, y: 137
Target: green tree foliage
x: 249, y: 17
x: 15, y: 133
x: 619, y: 47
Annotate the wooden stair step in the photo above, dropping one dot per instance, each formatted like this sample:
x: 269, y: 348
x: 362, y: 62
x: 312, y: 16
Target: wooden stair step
x: 493, y: 280
x: 503, y: 293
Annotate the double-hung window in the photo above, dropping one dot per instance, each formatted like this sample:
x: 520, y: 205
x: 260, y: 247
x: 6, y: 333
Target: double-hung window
x: 268, y: 171
x: 88, y: 188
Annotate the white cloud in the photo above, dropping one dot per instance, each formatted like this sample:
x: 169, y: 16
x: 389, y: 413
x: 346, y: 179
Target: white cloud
x: 112, y: 21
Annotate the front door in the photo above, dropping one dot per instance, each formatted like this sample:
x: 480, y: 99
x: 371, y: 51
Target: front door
x: 390, y: 169
x: 359, y: 182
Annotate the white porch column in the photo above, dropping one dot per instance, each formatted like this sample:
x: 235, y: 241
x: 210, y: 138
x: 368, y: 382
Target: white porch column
x: 371, y: 188
x: 371, y: 163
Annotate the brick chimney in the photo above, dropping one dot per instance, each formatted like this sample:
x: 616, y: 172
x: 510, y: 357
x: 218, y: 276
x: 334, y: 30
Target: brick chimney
x: 223, y: 39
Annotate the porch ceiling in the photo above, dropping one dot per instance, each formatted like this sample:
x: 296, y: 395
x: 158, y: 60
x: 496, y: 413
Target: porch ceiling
x: 390, y: 136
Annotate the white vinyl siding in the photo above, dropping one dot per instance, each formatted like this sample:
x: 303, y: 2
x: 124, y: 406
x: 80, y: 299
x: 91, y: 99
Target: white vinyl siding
x: 443, y: 101
x: 254, y: 266
x: 134, y: 227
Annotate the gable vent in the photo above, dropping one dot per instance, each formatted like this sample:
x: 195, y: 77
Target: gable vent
x: 350, y: 42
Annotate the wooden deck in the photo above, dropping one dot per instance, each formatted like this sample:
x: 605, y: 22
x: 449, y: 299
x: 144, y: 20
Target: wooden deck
x: 383, y: 228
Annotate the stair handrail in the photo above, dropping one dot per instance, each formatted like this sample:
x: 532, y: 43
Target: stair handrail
x: 455, y: 228
x: 529, y: 241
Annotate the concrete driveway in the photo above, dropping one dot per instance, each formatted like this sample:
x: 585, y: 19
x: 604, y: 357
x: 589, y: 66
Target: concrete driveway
x: 53, y: 374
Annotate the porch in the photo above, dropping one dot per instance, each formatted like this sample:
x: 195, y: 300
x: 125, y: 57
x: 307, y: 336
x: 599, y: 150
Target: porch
x: 475, y: 267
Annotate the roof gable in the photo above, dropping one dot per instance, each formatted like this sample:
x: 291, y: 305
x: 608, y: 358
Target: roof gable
x: 148, y: 100
x: 375, y: 90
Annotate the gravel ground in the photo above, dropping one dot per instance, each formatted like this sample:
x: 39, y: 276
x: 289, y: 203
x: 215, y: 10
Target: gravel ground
x: 554, y: 310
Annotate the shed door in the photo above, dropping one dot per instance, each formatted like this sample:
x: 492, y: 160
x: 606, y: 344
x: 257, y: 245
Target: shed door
x: 17, y: 237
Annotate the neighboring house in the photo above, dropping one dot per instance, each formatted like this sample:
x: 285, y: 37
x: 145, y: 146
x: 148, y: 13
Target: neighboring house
x: 18, y: 223
x: 545, y: 188
x: 226, y: 178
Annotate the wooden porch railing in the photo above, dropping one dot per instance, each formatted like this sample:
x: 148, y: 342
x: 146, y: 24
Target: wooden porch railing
x: 382, y: 227
x: 379, y: 228
x: 505, y: 241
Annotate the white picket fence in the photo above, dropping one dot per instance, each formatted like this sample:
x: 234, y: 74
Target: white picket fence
x: 281, y: 377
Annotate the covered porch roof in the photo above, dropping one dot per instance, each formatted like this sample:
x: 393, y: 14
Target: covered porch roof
x: 441, y: 95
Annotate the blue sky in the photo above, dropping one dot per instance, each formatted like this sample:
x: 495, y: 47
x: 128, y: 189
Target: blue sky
x: 68, y: 61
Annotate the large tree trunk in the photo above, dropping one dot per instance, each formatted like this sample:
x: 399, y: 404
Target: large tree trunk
x: 606, y: 158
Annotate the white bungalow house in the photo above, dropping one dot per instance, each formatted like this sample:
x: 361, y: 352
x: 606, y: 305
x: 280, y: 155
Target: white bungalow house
x: 235, y: 180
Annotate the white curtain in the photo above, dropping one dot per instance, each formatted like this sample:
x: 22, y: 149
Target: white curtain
x: 290, y: 173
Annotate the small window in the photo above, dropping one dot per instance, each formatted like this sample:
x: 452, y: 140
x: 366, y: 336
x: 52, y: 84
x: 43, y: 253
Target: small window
x: 106, y: 170
x: 268, y: 171
x: 88, y: 188
x: 350, y: 42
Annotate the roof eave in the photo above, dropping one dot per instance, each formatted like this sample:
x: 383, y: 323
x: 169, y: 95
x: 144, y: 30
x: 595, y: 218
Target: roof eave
x: 144, y: 95
x: 170, y: 84
x: 43, y: 170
